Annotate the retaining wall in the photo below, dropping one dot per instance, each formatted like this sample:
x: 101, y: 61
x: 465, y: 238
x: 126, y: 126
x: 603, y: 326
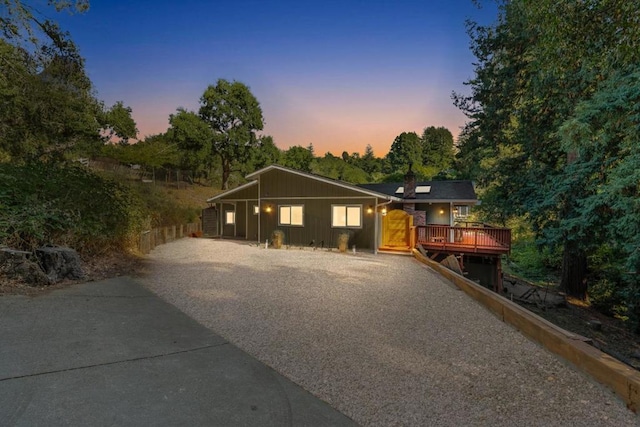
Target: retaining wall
x: 622, y: 379
x: 157, y: 236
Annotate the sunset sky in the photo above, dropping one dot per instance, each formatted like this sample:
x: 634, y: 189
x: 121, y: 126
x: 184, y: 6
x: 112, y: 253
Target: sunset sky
x: 335, y: 74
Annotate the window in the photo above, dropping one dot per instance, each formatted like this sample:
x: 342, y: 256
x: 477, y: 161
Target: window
x: 291, y: 215
x: 256, y: 209
x: 461, y: 211
x: 346, y: 216
x: 229, y: 217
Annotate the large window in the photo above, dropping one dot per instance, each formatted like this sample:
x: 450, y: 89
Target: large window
x: 229, y: 217
x: 291, y: 215
x: 346, y: 216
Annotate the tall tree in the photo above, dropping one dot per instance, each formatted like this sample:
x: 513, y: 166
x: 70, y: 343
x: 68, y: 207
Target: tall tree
x: 117, y: 122
x: 298, y: 157
x: 193, y: 138
x: 48, y: 107
x: 265, y: 154
x: 437, y: 148
x: 24, y: 26
x: 48, y: 102
x: 369, y: 162
x: 405, y: 149
x: 602, y: 136
x: 336, y: 168
x: 535, y: 65
x: 234, y: 115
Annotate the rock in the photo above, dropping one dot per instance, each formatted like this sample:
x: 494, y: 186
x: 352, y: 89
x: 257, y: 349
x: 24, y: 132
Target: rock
x: 31, y: 273
x: 18, y: 265
x: 60, y: 263
x: 595, y: 324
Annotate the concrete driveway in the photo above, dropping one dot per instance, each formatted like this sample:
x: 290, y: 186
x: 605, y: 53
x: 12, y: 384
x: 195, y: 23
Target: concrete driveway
x: 111, y: 353
x: 383, y: 339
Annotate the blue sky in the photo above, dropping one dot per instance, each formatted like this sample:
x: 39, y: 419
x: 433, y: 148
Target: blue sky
x: 337, y: 74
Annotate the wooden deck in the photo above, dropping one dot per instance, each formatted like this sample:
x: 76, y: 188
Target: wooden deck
x: 465, y: 240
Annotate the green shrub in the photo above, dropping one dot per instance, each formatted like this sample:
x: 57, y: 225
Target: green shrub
x: 532, y: 262
x: 605, y: 296
x: 45, y: 203
x: 163, y: 209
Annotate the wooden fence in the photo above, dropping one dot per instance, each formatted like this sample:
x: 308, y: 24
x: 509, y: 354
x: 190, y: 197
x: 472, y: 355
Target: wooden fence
x: 157, y: 236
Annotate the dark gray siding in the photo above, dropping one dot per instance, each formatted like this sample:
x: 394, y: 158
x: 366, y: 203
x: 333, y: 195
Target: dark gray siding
x: 278, y: 183
x: 252, y: 221
x: 317, y: 222
x: 241, y: 219
x: 433, y: 212
x: 228, y: 230
x: 244, y: 194
x: 281, y: 187
x: 241, y: 202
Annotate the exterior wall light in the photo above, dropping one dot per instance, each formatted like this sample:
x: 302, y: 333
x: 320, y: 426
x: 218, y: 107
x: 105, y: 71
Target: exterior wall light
x: 383, y: 211
x: 441, y: 211
x: 268, y: 208
x: 370, y: 209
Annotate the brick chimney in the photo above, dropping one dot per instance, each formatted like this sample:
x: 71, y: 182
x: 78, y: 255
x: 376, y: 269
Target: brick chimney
x: 409, y: 184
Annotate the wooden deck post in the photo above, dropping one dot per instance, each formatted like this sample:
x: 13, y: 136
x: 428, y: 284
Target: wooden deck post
x: 498, y: 280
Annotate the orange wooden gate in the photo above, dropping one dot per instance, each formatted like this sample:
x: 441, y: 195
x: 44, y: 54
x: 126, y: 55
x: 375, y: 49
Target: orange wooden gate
x: 396, y: 228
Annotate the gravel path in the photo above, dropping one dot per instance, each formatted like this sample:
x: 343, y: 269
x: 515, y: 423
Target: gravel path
x: 383, y: 338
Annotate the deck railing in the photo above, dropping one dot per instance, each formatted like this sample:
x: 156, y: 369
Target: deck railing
x: 481, y: 239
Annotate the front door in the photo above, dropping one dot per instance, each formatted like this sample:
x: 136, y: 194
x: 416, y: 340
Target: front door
x: 396, y: 228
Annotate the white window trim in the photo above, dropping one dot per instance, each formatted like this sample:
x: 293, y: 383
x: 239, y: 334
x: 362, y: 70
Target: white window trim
x: 289, y: 224
x: 346, y: 218
x: 460, y: 208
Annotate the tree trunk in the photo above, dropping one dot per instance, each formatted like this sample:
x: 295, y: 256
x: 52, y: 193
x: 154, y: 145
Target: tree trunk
x: 574, y: 271
x: 226, y: 173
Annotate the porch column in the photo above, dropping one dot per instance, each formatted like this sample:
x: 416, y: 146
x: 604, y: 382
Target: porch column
x: 375, y: 226
x: 259, y: 211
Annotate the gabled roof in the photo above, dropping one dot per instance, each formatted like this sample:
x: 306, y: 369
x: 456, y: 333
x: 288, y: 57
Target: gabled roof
x: 235, y: 190
x: 359, y: 189
x: 254, y: 176
x: 440, y: 191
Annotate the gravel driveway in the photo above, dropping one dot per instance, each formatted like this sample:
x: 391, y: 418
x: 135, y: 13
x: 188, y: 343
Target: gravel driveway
x: 384, y: 339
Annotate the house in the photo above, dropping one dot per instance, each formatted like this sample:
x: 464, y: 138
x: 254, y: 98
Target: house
x: 312, y: 210
x: 430, y: 202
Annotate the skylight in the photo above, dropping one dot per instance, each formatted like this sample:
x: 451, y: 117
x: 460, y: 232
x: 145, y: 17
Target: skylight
x: 420, y: 189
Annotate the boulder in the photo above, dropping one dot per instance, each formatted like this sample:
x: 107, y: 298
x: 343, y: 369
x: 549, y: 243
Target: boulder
x: 60, y: 263
x: 18, y: 265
